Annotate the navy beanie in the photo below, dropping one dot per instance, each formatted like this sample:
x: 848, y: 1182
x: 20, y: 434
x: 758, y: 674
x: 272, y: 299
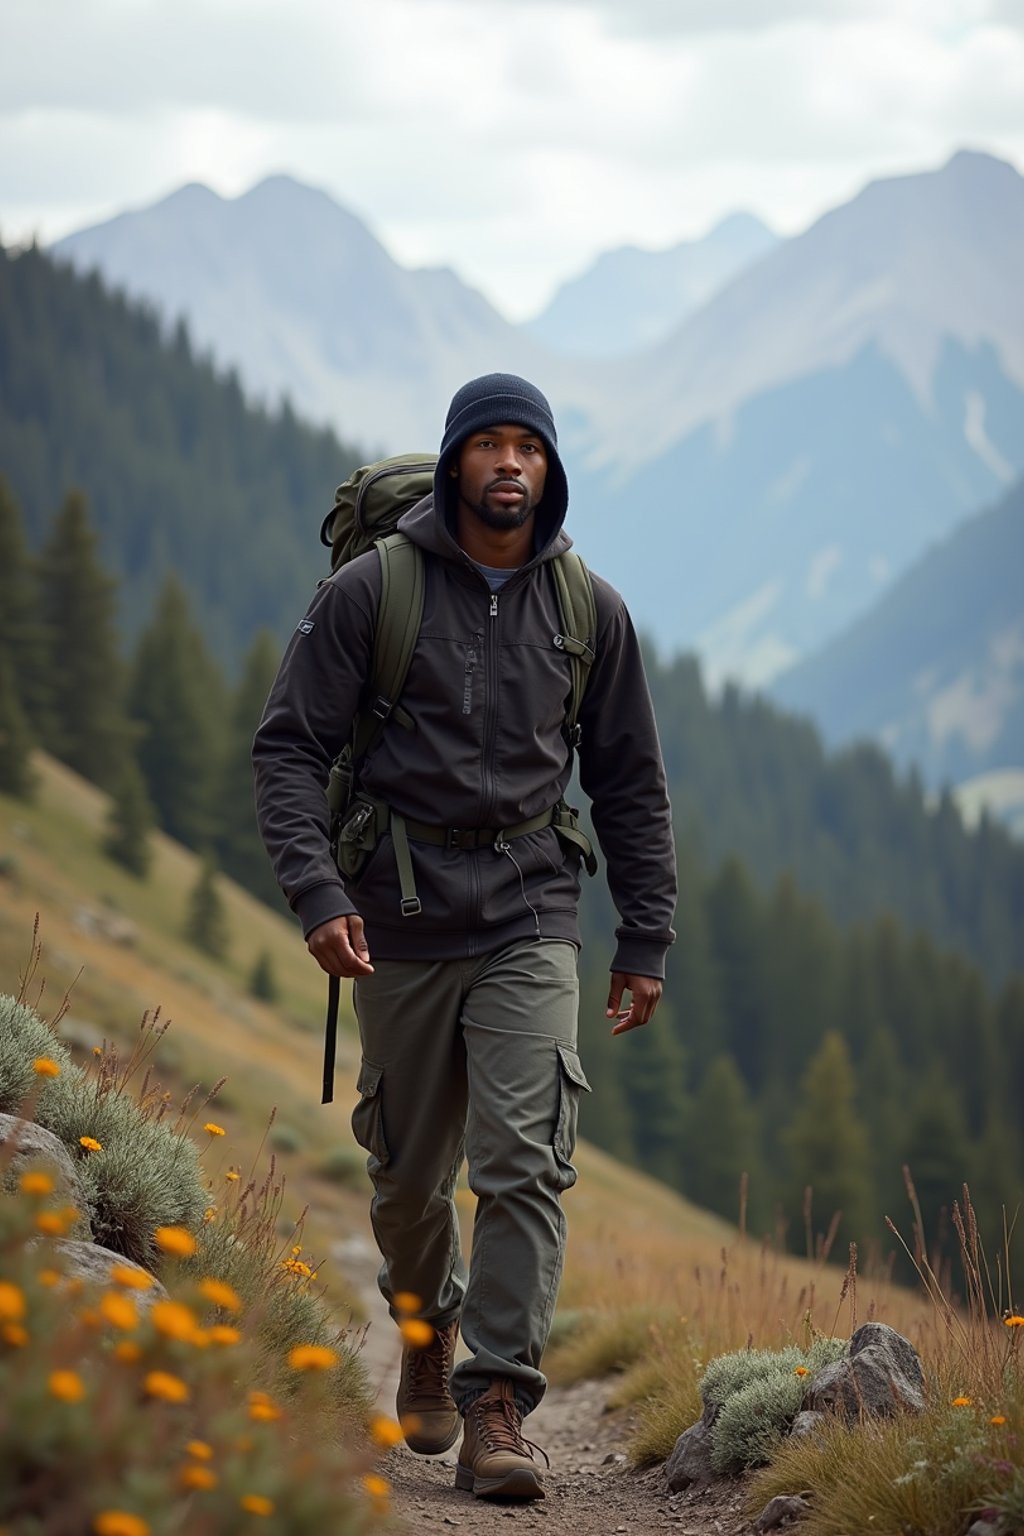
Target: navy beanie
x: 499, y: 399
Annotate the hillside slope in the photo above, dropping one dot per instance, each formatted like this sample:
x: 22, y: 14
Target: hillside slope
x: 935, y: 670
x: 117, y: 944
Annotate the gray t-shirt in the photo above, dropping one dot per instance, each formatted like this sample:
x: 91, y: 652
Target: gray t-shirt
x: 495, y: 576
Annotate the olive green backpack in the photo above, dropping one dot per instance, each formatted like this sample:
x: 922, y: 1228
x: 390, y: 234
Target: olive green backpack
x: 365, y: 516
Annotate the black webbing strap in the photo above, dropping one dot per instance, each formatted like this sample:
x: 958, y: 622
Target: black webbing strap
x: 331, y: 1037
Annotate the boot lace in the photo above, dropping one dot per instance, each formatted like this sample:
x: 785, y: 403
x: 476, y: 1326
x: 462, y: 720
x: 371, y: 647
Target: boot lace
x: 499, y: 1425
x: 428, y: 1368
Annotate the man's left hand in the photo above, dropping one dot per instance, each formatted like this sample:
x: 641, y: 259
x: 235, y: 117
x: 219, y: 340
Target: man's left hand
x: 645, y: 994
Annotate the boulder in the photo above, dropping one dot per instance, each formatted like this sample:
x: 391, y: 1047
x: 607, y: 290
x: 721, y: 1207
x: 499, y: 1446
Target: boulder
x: 31, y: 1146
x: 783, y: 1510
x: 806, y: 1423
x: 91, y: 1263
x: 881, y: 1377
x: 690, y: 1461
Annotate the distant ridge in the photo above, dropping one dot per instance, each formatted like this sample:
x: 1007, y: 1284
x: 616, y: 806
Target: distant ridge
x: 630, y: 299
x: 935, y: 669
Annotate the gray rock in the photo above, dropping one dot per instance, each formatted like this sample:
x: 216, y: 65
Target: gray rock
x: 690, y: 1461
x: 806, y: 1423
x: 35, y: 1147
x: 881, y: 1377
x: 91, y: 1263
x: 782, y: 1510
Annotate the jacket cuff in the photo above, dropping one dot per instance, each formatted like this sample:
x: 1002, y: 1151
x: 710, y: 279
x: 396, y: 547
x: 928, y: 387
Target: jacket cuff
x: 320, y: 903
x: 640, y: 957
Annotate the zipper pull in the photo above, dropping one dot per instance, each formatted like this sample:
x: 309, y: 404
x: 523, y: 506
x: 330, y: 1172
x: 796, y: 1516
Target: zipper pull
x: 494, y: 605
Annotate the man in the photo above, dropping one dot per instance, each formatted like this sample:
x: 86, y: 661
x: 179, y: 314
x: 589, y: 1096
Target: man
x: 467, y: 1007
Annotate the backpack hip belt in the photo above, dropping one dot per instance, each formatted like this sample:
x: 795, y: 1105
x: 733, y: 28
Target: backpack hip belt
x: 369, y: 819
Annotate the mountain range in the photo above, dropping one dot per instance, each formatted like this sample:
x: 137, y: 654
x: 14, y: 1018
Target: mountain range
x: 755, y: 479
x: 935, y: 670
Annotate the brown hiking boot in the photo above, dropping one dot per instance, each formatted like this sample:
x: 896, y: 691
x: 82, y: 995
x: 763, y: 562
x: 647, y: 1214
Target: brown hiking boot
x: 495, y: 1462
x: 426, y: 1409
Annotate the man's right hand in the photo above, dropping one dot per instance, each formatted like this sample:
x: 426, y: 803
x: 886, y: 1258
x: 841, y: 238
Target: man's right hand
x: 339, y: 947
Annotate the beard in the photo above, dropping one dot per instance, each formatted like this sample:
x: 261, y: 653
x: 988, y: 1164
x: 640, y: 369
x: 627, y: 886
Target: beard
x: 502, y: 518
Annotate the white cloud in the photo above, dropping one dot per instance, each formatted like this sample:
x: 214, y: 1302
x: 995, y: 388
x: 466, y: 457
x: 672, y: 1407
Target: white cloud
x: 512, y: 142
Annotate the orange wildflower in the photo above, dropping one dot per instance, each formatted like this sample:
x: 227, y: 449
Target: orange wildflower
x: 175, y: 1240
x: 132, y: 1279
x: 119, y: 1310
x: 90, y: 1143
x: 312, y: 1357
x: 221, y: 1294
x: 168, y: 1388
x: 44, y: 1066
x: 416, y: 1333
x: 12, y: 1302
x: 174, y: 1320
x: 193, y: 1476
x: 66, y: 1386
x: 35, y: 1183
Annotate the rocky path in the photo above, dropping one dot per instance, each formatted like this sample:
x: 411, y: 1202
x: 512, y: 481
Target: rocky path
x: 590, y: 1489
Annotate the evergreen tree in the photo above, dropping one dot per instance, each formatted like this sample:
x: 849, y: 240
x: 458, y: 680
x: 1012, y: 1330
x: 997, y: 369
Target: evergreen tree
x: 206, y: 925
x: 177, y: 696
x: 87, y: 729
x: 653, y: 1075
x: 721, y: 1143
x: 828, y: 1145
x: 937, y: 1152
x: 22, y: 640
x: 737, y: 930
x: 16, y: 775
x: 691, y: 981
x: 129, y: 820
x: 239, y: 845
x: 263, y: 978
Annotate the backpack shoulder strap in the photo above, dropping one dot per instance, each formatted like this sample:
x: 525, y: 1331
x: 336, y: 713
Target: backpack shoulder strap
x: 578, y: 612
x: 399, y: 614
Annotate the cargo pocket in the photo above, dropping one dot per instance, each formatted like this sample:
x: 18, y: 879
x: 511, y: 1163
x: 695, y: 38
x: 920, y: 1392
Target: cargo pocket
x: 571, y: 1079
x: 367, y: 1119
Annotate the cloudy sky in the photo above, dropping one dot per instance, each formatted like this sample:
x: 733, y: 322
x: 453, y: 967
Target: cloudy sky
x: 511, y: 139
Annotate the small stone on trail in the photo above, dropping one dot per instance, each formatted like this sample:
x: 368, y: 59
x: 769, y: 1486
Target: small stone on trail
x: 783, y: 1509
x: 613, y: 1458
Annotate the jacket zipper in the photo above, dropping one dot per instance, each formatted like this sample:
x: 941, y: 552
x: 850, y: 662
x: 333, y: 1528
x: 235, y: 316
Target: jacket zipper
x: 491, y: 712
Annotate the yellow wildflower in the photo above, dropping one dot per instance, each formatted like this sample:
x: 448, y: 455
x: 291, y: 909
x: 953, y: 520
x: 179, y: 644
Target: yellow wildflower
x: 175, y: 1240
x: 12, y: 1302
x: 168, y: 1388
x: 312, y: 1357
x: 232, y: 1176
x: 118, y: 1522
x: 15, y: 1335
x: 200, y: 1450
x: 119, y: 1310
x: 209, y: 1214
x: 35, y: 1183
x: 43, y: 1066
x: 378, y: 1489
x: 385, y: 1431
x: 174, y: 1320
x: 90, y: 1143
x: 56, y: 1223
x: 213, y: 1129
x: 1014, y: 1320
x: 193, y: 1476
x: 132, y: 1279
x: 66, y: 1386
x: 416, y: 1333
x: 962, y: 1402
x: 407, y: 1301
x: 223, y: 1333
x: 221, y: 1294
x: 256, y: 1504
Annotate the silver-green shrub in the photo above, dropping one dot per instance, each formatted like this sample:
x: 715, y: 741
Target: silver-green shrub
x: 758, y: 1393
x: 146, y: 1176
x: 23, y: 1039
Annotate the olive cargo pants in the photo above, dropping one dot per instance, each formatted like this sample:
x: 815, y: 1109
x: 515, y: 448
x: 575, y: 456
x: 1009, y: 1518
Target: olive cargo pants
x: 475, y: 1055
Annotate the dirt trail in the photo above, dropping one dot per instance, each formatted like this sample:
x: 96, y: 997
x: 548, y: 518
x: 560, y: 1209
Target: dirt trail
x: 590, y: 1490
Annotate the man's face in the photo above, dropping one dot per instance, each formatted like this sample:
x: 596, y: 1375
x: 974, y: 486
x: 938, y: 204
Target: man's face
x: 500, y: 474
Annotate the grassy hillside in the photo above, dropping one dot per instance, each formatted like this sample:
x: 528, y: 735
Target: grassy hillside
x: 633, y: 1241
